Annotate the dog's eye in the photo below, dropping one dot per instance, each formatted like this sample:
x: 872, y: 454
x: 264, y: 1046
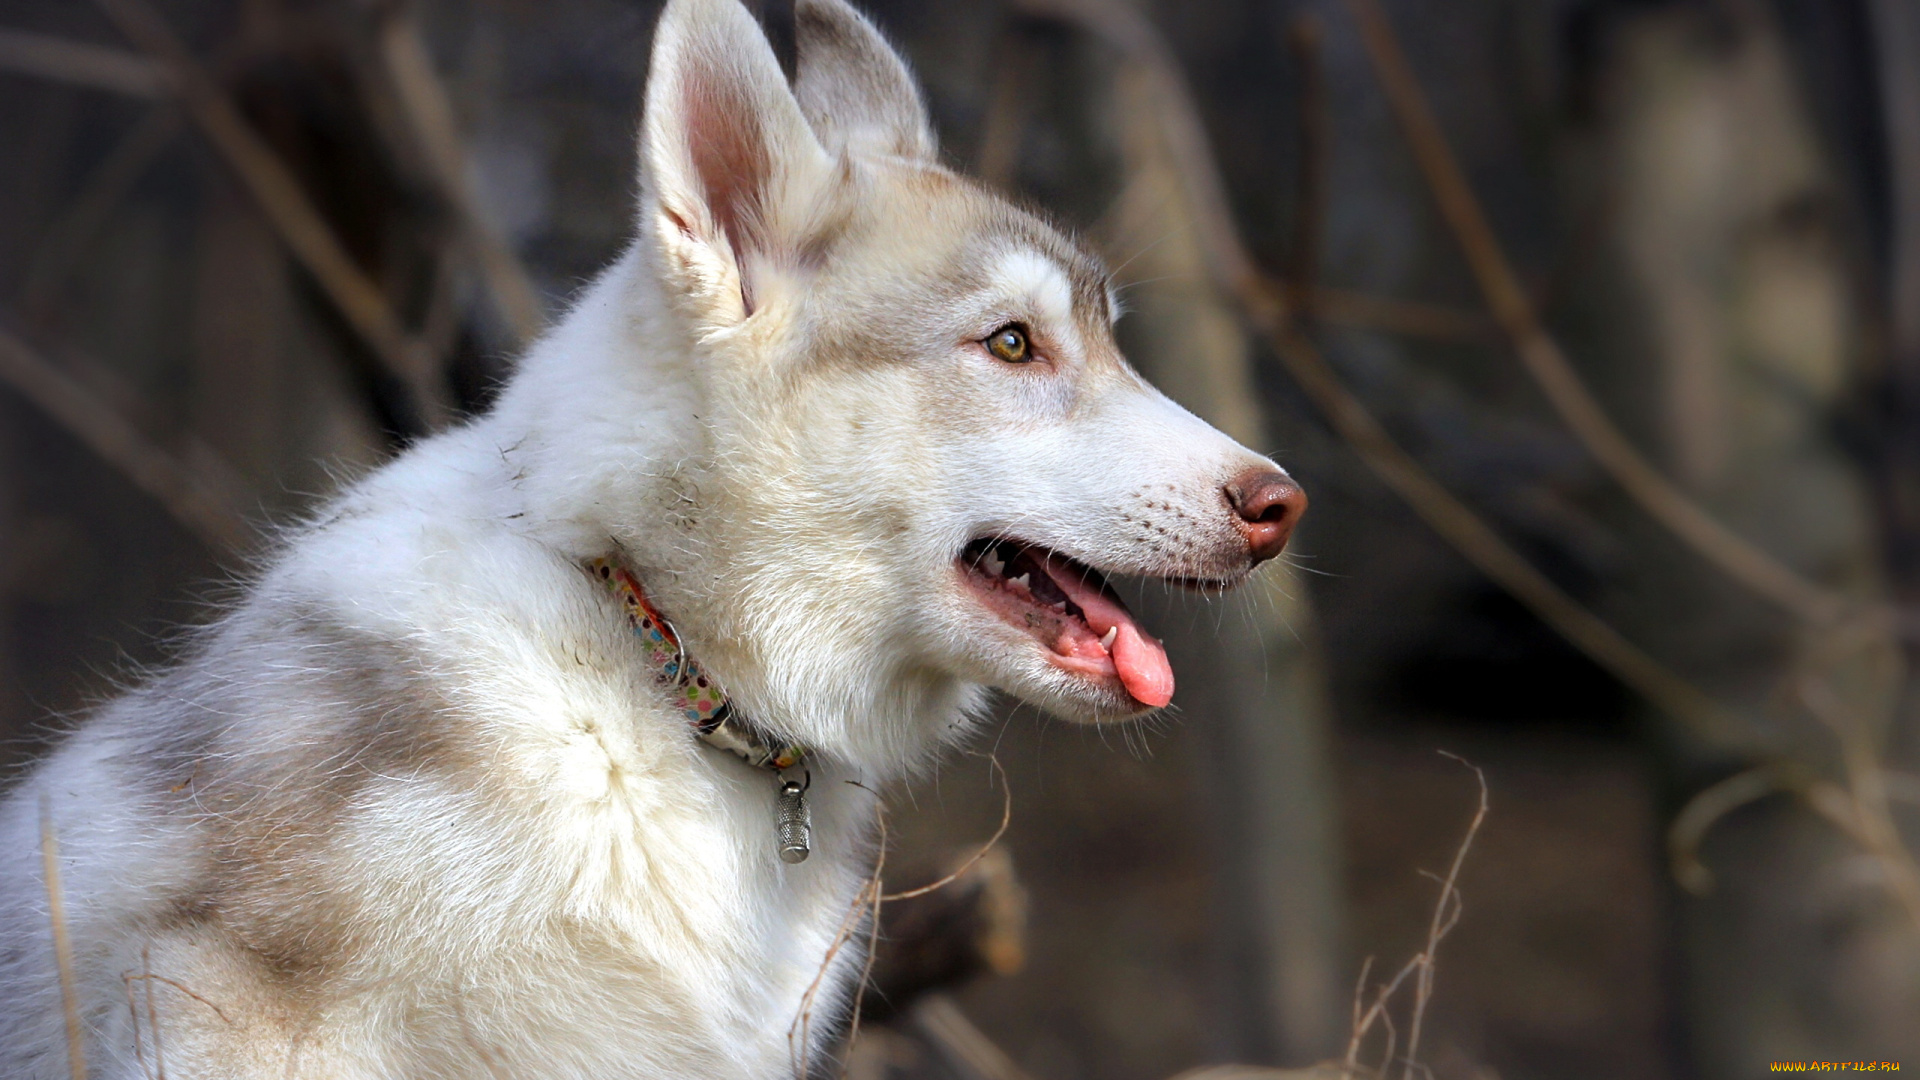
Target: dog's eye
x: 1009, y: 343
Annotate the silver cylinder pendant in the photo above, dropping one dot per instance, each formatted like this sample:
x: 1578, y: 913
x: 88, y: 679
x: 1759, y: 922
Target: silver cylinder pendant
x: 795, y: 823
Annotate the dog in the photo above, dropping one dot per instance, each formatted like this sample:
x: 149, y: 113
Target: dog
x: 841, y: 441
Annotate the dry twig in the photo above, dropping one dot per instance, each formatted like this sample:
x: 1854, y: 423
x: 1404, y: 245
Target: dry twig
x: 1446, y: 915
x: 1304, y: 38
x: 62, y: 947
x: 301, y: 226
x: 866, y: 901
x: 1862, y: 809
x: 1705, y: 810
x: 1006, y: 818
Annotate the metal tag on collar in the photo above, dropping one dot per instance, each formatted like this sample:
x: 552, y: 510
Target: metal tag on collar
x: 794, y: 821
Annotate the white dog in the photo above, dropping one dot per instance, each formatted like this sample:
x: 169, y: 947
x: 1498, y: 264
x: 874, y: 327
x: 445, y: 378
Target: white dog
x: 841, y: 441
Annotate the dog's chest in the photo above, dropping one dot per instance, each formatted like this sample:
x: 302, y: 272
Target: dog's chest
x: 647, y: 911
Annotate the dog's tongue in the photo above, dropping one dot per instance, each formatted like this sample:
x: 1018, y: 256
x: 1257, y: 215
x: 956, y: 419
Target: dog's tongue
x: 1140, y: 660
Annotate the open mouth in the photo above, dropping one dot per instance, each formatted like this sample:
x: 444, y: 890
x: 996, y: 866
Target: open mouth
x: 1071, y: 611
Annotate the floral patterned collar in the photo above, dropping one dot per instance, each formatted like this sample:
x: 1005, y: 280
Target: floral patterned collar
x: 699, y: 696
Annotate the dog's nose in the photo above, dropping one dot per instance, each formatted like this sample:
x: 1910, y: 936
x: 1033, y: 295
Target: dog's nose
x: 1269, y: 504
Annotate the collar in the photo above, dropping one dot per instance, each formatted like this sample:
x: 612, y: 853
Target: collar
x: 702, y: 702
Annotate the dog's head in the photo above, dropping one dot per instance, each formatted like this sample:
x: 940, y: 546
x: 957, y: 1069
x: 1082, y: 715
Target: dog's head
x: 925, y: 450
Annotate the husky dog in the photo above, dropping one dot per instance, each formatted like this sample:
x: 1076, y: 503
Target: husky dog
x: 422, y: 805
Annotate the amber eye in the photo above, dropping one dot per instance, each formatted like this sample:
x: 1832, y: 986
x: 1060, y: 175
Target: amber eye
x: 1009, y: 343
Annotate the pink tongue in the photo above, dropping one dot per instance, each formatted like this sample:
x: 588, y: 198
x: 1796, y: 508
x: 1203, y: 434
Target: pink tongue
x: 1140, y: 660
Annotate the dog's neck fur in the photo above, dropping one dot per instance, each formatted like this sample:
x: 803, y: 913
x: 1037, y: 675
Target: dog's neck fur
x: 604, y: 444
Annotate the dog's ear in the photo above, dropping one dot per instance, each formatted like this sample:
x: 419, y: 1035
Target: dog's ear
x: 729, y: 168
x: 855, y: 89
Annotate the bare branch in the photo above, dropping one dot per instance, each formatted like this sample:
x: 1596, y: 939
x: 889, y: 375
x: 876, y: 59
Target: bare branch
x: 1705, y: 810
x: 1442, y: 924
x: 1263, y: 303
x: 193, y: 501
x: 1006, y: 818
x: 305, y: 232
x: 1738, y: 557
x: 1474, y: 539
x: 1410, y: 318
x: 96, y: 67
x: 423, y: 98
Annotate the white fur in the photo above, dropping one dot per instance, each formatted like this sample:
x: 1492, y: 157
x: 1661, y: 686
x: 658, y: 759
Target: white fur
x: 417, y: 808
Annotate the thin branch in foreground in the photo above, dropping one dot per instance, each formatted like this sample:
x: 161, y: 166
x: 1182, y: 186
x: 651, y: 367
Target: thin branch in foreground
x: 62, y: 947
x: 293, y: 216
x: 1006, y: 818
x: 186, y: 496
x: 1543, y: 358
x: 133, y: 1017
x: 1443, y: 923
x: 1446, y: 915
x: 1409, y: 318
x: 800, y: 1031
x: 153, y: 1014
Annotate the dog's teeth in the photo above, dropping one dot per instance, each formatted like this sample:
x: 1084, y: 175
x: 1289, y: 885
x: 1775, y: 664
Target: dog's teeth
x: 1060, y: 606
x: 1107, y: 641
x: 1023, y: 580
x: 994, y: 564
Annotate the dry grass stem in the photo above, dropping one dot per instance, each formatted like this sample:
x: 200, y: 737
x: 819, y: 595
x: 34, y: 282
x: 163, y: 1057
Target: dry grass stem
x: 865, y: 902
x: 93, y: 66
x: 301, y: 226
x: 133, y: 1016
x: 1738, y: 557
x: 153, y: 1014
x: 1443, y: 921
x: 1006, y: 818
x: 192, y: 499
x: 872, y: 889
x: 1446, y: 915
x: 62, y: 947
x: 1863, y: 808
x: 147, y: 976
x: 1702, y: 812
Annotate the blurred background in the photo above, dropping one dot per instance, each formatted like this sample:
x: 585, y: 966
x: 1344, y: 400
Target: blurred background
x: 1592, y: 327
